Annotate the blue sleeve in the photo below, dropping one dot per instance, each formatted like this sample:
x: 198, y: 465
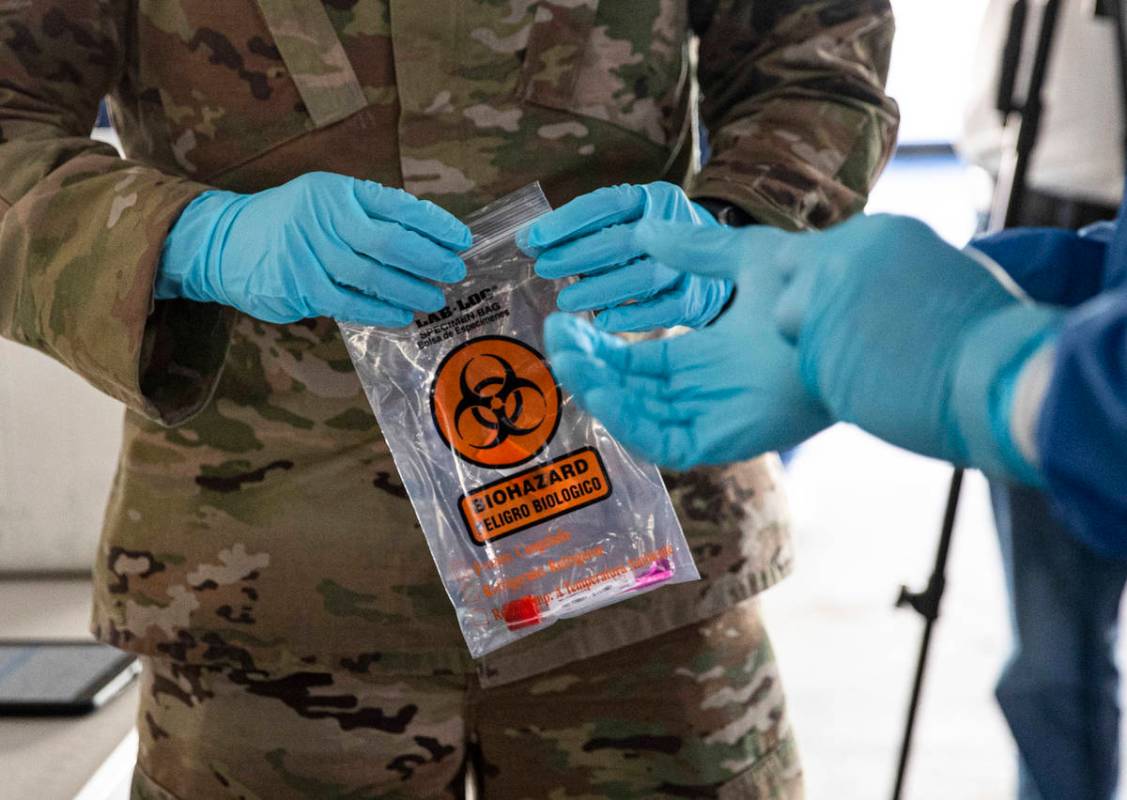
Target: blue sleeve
x: 1082, y: 429
x: 1052, y: 265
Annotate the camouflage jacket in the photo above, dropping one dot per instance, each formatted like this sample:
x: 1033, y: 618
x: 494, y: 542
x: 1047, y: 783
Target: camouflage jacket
x: 256, y: 516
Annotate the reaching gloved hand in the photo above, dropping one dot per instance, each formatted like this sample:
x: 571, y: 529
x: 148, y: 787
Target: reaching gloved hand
x: 910, y: 338
x: 726, y: 393
x: 1033, y: 257
x: 322, y: 245
x: 592, y: 237
x: 895, y: 331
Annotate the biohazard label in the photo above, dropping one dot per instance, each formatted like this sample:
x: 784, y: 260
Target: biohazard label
x: 535, y: 495
x: 495, y: 402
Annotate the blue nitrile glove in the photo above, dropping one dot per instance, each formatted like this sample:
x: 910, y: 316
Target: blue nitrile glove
x: 322, y: 245
x: 1052, y: 265
x: 726, y: 393
x: 592, y: 236
x: 910, y: 338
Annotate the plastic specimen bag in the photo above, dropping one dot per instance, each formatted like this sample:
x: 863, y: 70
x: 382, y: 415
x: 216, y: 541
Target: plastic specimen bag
x: 531, y: 510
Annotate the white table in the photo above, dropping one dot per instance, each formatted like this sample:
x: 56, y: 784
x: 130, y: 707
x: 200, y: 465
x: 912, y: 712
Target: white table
x: 83, y: 758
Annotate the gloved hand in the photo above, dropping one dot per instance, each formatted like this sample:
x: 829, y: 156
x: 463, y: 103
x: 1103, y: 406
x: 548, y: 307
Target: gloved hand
x: 322, y: 245
x: 909, y: 338
x: 592, y: 236
x: 1035, y: 259
x: 723, y: 394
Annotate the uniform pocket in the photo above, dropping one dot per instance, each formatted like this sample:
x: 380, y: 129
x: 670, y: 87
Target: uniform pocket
x: 235, y: 80
x: 145, y: 788
x: 778, y: 776
x: 223, y: 86
x: 620, y: 62
x: 555, y: 53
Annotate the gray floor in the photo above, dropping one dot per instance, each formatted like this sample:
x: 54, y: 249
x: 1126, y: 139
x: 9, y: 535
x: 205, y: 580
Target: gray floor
x: 867, y: 520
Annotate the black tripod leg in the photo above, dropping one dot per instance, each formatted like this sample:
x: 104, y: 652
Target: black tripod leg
x: 927, y: 604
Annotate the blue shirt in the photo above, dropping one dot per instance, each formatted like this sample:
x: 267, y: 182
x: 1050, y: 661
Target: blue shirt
x: 1082, y: 429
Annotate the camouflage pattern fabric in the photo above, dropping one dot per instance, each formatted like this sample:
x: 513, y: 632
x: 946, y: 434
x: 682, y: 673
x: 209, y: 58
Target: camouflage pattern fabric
x: 694, y: 713
x: 256, y: 518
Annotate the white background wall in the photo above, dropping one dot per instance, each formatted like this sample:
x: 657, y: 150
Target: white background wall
x: 58, y: 443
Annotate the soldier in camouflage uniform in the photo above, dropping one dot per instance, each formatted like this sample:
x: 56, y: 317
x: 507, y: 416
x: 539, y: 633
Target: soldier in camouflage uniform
x: 259, y: 550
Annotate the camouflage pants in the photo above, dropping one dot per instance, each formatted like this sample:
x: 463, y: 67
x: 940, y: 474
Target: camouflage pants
x: 697, y: 713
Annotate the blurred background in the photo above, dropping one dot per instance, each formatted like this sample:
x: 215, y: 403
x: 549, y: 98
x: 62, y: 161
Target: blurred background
x: 868, y: 515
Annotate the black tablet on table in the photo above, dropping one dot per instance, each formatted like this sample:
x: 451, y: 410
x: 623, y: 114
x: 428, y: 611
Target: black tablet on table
x: 67, y: 678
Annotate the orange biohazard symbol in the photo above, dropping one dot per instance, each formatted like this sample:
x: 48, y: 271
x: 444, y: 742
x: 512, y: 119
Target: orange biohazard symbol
x: 495, y: 402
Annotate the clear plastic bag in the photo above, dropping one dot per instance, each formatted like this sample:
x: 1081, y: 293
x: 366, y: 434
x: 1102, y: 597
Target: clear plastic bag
x: 531, y: 510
